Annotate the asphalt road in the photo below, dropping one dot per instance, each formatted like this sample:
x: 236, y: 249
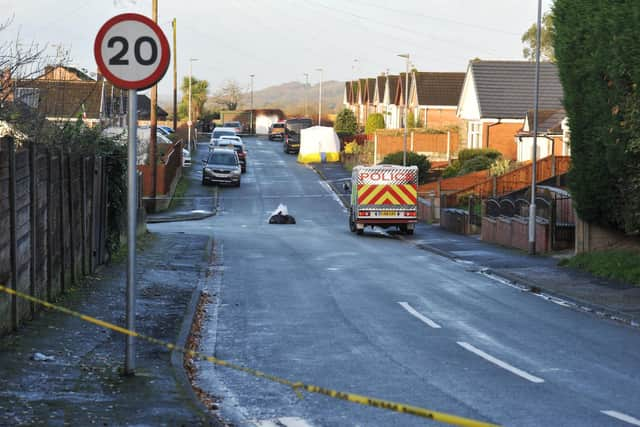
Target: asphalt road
x: 374, y: 315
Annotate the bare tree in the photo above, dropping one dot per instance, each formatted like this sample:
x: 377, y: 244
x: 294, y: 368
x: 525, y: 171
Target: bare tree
x: 17, y: 60
x: 228, y: 95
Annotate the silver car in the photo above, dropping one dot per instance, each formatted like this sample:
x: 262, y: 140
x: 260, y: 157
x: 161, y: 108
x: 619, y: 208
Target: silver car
x: 221, y: 166
x: 217, y: 133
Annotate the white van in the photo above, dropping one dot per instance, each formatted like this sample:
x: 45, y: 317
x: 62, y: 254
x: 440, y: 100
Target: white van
x: 218, y: 132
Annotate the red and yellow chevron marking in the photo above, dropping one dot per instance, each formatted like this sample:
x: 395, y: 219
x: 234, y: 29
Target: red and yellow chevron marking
x: 376, y: 194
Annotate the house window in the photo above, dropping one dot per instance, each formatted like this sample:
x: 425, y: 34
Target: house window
x: 28, y: 96
x: 475, y: 135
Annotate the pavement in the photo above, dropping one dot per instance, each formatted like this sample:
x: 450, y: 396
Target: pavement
x: 198, y: 201
x: 540, y: 274
x: 58, y: 370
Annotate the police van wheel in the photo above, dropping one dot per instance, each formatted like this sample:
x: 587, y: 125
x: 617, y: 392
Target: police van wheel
x: 352, y: 224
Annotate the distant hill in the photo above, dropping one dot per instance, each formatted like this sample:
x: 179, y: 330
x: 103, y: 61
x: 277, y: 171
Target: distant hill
x: 289, y: 97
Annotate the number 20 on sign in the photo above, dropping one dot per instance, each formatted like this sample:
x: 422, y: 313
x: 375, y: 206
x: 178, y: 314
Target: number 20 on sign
x: 131, y: 51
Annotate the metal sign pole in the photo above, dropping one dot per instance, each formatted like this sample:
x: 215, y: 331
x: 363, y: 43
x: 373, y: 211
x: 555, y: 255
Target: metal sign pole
x: 130, y: 361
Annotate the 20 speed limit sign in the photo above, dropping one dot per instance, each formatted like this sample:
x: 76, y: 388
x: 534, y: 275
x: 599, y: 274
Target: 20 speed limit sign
x: 132, y: 52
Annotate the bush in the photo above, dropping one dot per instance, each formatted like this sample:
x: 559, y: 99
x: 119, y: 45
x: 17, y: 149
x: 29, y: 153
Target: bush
x: 374, y: 122
x: 452, y: 170
x: 346, y: 123
x: 470, y: 153
x: 412, y: 121
x: 500, y: 167
x: 413, y: 159
x: 349, y: 147
x: 475, y: 164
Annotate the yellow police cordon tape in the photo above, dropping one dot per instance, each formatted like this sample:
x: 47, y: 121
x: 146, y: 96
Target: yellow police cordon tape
x: 296, y: 386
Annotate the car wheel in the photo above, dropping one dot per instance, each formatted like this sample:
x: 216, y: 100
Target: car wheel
x: 360, y: 231
x: 204, y: 182
x: 410, y: 232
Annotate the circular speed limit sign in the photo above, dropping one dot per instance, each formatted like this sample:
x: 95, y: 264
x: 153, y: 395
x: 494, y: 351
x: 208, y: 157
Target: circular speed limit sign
x: 132, y: 52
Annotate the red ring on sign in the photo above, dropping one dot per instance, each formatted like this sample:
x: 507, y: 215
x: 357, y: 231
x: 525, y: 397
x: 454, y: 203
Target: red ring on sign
x: 165, y: 52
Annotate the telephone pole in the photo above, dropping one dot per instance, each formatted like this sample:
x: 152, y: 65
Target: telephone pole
x: 306, y: 86
x: 320, y: 98
x: 175, y: 78
x: 153, y: 118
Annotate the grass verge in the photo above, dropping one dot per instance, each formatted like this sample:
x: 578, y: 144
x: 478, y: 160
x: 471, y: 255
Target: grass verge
x: 619, y: 264
x: 181, y: 189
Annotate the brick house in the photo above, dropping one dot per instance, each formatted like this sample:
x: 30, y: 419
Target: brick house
x: 496, y: 96
x: 64, y: 93
x: 433, y: 98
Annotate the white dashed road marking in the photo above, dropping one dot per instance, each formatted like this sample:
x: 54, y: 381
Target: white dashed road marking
x: 414, y: 313
x: 500, y: 363
x: 622, y: 417
x: 283, y: 422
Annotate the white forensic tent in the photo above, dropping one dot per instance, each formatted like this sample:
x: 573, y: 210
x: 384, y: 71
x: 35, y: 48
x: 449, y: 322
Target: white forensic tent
x: 319, y: 144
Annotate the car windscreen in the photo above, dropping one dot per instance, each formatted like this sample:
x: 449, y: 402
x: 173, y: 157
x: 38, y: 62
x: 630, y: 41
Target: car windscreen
x: 295, y: 126
x: 231, y: 125
x: 222, y: 158
x: 277, y: 125
x: 219, y: 133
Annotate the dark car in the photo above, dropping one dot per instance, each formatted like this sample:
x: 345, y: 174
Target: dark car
x: 222, y: 166
x: 292, y: 134
x: 238, y: 147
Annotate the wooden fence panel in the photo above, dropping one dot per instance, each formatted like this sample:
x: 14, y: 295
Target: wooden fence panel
x: 23, y: 229
x: 53, y: 223
x: 54, y: 226
x: 5, y: 238
x: 41, y: 226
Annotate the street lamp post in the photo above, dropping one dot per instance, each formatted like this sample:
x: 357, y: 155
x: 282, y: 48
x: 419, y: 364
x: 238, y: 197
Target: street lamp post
x: 251, y: 112
x: 320, y: 98
x: 306, y: 85
x: 189, y: 122
x: 534, y: 149
x: 406, y: 106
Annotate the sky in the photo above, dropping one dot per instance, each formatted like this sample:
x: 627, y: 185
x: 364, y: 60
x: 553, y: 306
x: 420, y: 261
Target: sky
x: 280, y: 40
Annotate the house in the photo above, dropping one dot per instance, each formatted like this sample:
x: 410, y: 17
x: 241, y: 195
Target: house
x: 553, y: 135
x: 351, y: 96
x: 434, y: 97
x: 369, y: 101
x: 496, y: 96
x: 378, y: 93
x: 144, y: 109
x: 63, y: 93
x: 391, y: 109
x: 398, y: 98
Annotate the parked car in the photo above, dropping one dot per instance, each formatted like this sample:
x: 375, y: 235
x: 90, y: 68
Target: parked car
x: 292, y: 134
x: 221, y: 166
x: 231, y: 138
x: 238, y: 147
x: 276, y: 130
x: 237, y: 126
x: 186, y: 158
x: 217, y: 133
x: 166, y: 130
